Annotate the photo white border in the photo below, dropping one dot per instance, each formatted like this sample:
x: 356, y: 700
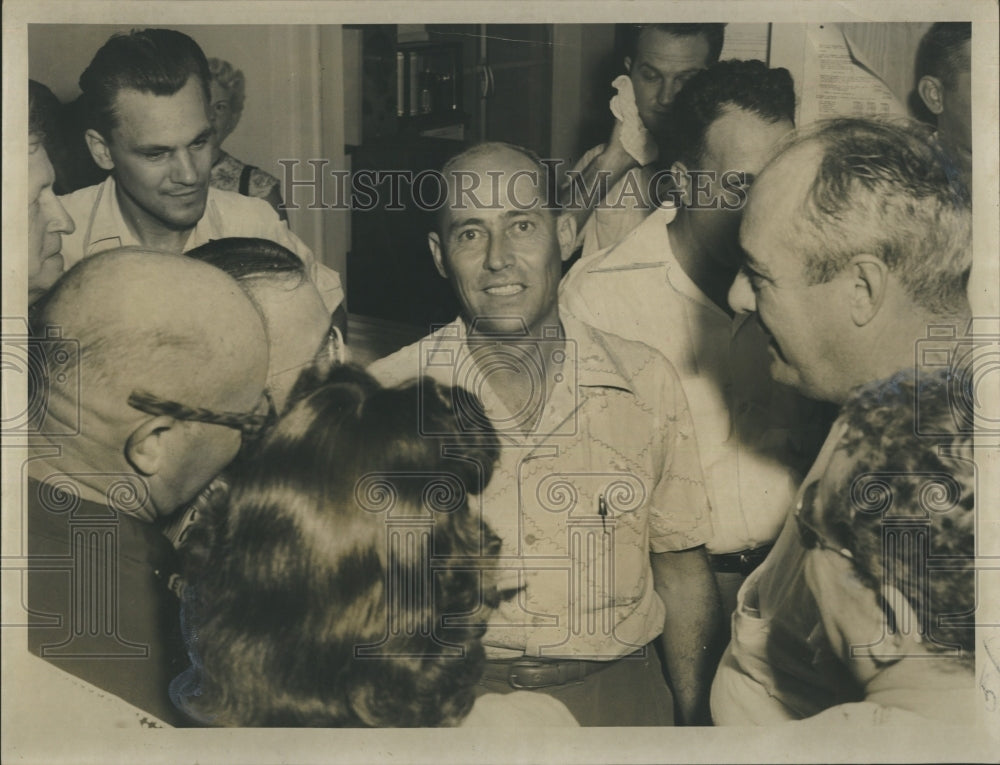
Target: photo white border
x: 46, y: 719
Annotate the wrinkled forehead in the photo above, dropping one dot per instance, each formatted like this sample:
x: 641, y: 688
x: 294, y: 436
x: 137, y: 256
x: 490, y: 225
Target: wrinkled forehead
x: 783, y: 183
x: 492, y: 182
x: 773, y: 224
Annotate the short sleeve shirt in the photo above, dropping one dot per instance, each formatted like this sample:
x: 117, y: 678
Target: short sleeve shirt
x: 615, y: 434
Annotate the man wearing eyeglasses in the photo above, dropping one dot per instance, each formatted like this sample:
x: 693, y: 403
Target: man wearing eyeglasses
x: 857, y: 258
x: 665, y: 284
x: 152, y: 372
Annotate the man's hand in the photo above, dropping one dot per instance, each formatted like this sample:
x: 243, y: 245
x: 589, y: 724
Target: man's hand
x: 599, y: 176
x: 692, y: 629
x: 634, y: 137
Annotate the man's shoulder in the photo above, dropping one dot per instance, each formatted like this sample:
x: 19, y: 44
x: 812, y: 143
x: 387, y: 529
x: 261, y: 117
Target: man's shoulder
x: 232, y: 202
x: 428, y: 356
x: 604, y: 288
x: 646, y: 247
x: 77, y: 201
x: 229, y: 213
x: 648, y: 372
x: 87, y: 192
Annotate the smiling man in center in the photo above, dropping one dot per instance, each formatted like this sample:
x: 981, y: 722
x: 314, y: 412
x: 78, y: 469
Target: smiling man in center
x: 598, y: 495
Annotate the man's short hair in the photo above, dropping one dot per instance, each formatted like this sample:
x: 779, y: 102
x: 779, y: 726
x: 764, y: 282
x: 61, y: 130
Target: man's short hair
x: 157, y: 61
x: 714, y: 34
x: 244, y: 257
x: 886, y: 188
x: 546, y: 175
x: 749, y: 85
x: 899, y: 475
x: 941, y: 52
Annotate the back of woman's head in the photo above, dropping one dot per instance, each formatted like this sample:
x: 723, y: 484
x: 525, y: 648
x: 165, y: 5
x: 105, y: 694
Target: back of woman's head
x: 324, y: 597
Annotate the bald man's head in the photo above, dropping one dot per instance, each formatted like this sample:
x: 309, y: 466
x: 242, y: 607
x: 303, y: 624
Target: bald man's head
x: 171, y: 326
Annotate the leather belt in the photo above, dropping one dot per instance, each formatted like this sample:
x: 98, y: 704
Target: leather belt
x: 527, y: 673
x: 742, y: 562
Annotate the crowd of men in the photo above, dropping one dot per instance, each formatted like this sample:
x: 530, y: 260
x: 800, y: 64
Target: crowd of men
x: 681, y: 416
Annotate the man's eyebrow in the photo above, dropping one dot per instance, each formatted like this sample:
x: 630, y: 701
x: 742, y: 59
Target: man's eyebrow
x: 456, y: 224
x: 532, y: 211
x: 150, y: 148
x: 204, y: 134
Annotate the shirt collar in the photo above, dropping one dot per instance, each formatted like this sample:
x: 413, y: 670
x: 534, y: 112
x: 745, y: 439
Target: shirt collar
x: 585, y: 346
x: 611, y: 260
x: 108, y: 228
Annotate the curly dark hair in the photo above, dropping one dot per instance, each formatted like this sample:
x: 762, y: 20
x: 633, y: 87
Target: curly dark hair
x: 911, y: 461
x: 157, y: 61
x: 749, y: 85
x: 342, y: 588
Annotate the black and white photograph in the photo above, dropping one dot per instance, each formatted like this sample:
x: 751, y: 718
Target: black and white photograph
x: 533, y: 370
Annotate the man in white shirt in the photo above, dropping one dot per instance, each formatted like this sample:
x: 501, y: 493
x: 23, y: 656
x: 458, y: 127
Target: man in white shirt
x: 666, y: 283
x: 659, y: 59
x: 146, y: 97
x: 858, y: 252
x: 597, y: 496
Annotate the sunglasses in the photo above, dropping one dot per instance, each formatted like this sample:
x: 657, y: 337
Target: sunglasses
x: 250, y: 424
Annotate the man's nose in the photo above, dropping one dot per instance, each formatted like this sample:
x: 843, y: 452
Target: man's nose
x: 741, y: 297
x: 498, y: 254
x: 59, y: 220
x: 668, y: 91
x: 183, y: 169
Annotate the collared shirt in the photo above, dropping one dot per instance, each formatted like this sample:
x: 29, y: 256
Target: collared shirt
x: 780, y: 664
x: 753, y: 434
x: 619, y: 212
x: 615, y: 425
x: 100, y: 226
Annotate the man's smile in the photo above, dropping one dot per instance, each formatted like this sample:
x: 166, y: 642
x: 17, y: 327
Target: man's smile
x: 505, y: 290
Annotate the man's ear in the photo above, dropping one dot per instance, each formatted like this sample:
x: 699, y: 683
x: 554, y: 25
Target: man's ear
x: 566, y: 234
x: 437, y: 252
x: 99, y: 149
x: 682, y: 182
x: 931, y: 93
x: 869, y: 281
x: 628, y: 65
x: 147, y: 447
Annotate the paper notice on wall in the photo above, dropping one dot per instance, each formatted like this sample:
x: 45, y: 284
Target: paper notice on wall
x: 835, y: 84
x: 746, y: 41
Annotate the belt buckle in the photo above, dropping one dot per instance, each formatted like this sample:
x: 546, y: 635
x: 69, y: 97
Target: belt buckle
x: 531, y: 667
x: 745, y: 562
